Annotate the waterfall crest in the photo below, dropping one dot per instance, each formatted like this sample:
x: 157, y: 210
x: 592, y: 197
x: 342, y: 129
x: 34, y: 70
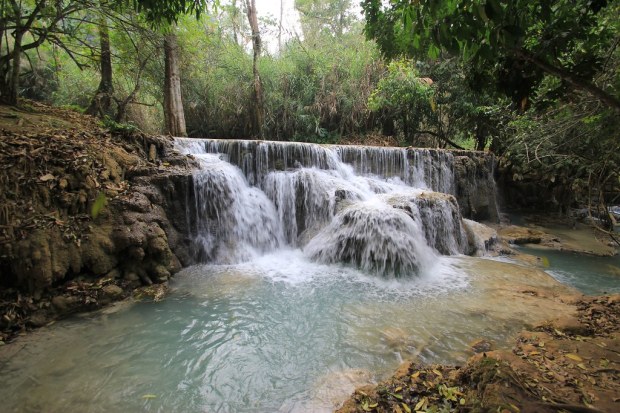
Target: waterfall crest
x: 388, y: 211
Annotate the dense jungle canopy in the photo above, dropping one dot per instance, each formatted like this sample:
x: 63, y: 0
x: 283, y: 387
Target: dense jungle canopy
x: 535, y: 82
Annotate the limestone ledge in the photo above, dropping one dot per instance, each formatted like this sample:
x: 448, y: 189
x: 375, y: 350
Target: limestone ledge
x: 57, y: 256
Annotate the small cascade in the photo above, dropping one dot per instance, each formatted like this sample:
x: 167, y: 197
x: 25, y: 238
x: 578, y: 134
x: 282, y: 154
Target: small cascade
x: 233, y: 222
x: 373, y: 236
x: 439, y: 218
x: 385, y: 210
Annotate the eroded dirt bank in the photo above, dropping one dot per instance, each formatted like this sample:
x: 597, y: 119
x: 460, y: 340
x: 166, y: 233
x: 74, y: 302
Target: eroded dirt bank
x: 86, y: 215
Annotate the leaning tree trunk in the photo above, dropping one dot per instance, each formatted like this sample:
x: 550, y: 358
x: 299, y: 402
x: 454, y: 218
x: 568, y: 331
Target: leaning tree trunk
x: 173, y: 104
x: 258, y: 111
x: 102, y: 101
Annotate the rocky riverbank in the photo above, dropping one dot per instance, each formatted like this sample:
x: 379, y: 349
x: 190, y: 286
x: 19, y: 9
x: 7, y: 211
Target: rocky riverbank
x: 569, y: 364
x: 84, y: 214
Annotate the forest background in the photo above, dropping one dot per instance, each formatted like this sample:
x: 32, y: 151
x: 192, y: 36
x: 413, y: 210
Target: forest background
x: 535, y: 82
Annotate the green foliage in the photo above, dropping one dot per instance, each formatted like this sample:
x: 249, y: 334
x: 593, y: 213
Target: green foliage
x: 314, y: 91
x: 404, y: 95
x: 324, y: 17
x: 513, y: 41
x: 571, y: 148
x: 165, y: 11
x: 119, y: 128
x: 401, y: 89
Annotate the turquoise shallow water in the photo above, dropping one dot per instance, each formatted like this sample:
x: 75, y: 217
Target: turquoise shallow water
x: 589, y: 274
x: 277, y: 334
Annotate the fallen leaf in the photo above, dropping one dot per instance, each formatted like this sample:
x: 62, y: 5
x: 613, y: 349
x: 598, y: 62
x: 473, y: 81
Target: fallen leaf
x: 573, y: 357
x: 420, y: 405
x: 46, y: 177
x: 149, y: 396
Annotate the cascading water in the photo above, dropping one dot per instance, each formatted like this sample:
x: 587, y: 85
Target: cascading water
x: 234, y: 222
x: 365, y: 206
x: 271, y: 323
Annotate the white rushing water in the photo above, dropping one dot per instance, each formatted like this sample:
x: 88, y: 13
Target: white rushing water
x: 372, y: 208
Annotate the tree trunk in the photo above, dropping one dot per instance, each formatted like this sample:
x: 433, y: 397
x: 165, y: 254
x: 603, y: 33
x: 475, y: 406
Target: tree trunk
x: 173, y: 104
x: 280, y: 26
x: 102, y: 101
x: 11, y: 99
x: 258, y: 111
x: 235, y: 13
x: 481, y: 136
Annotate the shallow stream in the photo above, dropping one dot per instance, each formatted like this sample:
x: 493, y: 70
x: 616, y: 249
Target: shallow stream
x: 279, y: 333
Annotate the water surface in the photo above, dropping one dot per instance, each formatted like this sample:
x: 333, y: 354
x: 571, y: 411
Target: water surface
x: 278, y: 333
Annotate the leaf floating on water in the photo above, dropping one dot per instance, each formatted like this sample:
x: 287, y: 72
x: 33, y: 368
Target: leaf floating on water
x: 149, y: 396
x: 573, y: 357
x: 545, y: 262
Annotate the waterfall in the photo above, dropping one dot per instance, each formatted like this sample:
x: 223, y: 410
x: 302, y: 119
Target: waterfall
x: 384, y: 210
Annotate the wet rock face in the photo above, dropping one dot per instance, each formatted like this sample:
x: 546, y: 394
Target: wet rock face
x: 131, y: 237
x: 475, y: 187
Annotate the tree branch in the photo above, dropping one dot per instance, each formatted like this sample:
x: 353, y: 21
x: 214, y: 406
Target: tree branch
x: 443, y: 138
x: 570, y: 78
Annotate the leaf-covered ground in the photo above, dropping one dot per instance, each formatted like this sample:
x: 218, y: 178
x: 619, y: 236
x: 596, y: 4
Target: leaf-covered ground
x: 570, y: 364
x: 65, y: 183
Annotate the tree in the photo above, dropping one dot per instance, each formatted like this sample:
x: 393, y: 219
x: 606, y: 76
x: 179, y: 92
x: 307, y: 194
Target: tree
x: 174, y: 118
x: 29, y: 24
x: 38, y: 21
x: 320, y: 16
x: 520, y: 39
x: 102, y: 101
x: 258, y: 118
x: 403, y: 95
